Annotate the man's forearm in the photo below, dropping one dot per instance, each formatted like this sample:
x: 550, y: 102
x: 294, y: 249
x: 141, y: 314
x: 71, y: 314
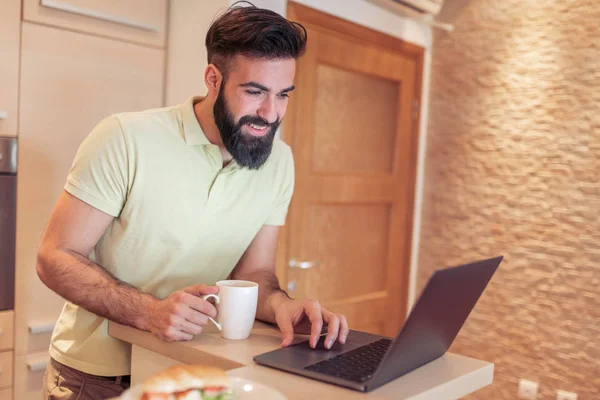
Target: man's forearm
x: 270, y: 294
x: 80, y: 281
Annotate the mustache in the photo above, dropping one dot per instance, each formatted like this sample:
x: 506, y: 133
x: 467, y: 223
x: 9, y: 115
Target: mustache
x: 256, y: 120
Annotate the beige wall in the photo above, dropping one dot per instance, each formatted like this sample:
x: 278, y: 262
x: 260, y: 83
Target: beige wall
x: 513, y: 168
x: 186, y: 60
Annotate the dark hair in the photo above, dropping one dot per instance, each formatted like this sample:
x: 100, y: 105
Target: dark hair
x: 253, y: 32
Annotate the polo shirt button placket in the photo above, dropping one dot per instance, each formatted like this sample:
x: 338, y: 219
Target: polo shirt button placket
x: 215, y: 195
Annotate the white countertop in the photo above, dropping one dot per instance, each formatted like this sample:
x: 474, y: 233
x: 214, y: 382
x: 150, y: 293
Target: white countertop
x: 449, y: 377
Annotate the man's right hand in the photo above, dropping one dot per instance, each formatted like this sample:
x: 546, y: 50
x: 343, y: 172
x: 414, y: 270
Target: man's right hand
x: 182, y: 314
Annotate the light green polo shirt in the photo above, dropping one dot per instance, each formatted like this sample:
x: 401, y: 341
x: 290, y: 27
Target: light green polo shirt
x: 180, y: 217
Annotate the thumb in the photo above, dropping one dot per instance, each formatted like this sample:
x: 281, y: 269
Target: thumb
x: 287, y: 329
x: 201, y: 289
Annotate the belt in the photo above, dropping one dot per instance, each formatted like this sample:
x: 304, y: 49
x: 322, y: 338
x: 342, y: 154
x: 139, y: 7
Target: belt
x: 82, y: 375
x: 117, y: 379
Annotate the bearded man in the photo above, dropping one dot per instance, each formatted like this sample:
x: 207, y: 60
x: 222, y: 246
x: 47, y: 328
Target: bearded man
x: 161, y: 204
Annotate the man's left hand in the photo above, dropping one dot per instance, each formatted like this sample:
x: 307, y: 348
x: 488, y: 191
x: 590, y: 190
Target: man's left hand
x: 308, y: 317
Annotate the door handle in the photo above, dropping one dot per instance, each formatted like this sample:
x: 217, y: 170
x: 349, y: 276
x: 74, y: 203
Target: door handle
x: 291, y: 286
x: 3, y: 114
x: 302, y: 264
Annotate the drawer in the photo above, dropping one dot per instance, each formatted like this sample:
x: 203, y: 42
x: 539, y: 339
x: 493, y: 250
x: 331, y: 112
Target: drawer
x: 6, y: 394
x: 10, y: 37
x: 29, y: 375
x: 6, y: 369
x: 142, y: 21
x: 6, y: 330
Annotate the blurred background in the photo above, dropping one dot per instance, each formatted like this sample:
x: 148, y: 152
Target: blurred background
x: 426, y: 133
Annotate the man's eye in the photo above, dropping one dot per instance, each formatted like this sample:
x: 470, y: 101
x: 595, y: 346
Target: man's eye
x: 285, y: 95
x: 253, y: 92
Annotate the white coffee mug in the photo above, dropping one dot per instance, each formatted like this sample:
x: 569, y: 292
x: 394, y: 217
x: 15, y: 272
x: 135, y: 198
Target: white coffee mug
x: 236, y: 308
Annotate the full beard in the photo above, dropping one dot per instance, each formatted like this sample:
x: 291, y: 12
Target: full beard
x: 247, y: 150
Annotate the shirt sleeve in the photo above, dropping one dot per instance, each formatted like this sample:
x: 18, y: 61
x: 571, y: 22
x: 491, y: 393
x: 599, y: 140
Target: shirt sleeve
x: 284, y: 193
x: 99, y: 173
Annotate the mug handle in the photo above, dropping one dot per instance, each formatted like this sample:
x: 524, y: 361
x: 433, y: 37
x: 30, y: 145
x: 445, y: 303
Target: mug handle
x: 217, y: 299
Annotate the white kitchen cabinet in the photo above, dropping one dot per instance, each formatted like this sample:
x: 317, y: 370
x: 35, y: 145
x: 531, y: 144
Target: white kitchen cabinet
x: 10, y: 23
x: 6, y: 369
x: 29, y: 375
x: 141, y: 21
x: 70, y: 81
x: 6, y: 330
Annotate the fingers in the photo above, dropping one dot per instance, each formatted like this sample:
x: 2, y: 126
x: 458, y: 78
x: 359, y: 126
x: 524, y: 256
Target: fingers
x: 185, y: 326
x: 192, y: 315
x: 287, y: 329
x: 173, y: 334
x: 183, y: 314
x: 333, y: 328
x: 313, y: 311
x: 337, y: 328
x: 344, y: 330
x: 198, y: 304
x: 201, y: 289
x: 177, y: 328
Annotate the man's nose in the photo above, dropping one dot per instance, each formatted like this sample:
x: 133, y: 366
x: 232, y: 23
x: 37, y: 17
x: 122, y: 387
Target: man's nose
x: 267, y: 110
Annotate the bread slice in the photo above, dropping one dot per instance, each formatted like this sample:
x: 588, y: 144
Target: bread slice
x: 188, y: 382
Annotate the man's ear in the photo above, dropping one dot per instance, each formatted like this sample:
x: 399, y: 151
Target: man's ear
x: 213, y: 79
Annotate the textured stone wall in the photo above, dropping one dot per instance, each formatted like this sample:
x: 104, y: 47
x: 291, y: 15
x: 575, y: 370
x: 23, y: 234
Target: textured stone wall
x: 513, y: 168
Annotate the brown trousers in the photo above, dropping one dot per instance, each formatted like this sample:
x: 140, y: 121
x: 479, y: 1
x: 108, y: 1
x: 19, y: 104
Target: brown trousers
x: 66, y: 383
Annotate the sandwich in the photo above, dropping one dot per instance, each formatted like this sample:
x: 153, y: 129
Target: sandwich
x: 188, y: 382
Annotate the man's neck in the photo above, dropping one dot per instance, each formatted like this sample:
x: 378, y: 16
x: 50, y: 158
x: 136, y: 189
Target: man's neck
x: 206, y: 119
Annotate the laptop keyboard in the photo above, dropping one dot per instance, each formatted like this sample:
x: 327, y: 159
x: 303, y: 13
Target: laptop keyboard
x: 357, y: 365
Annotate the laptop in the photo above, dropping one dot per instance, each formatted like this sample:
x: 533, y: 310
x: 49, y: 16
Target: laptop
x: 367, y: 361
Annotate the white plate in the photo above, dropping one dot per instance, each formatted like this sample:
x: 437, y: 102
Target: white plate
x: 244, y: 389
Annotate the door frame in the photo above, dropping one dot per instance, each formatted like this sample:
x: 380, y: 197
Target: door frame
x: 333, y: 25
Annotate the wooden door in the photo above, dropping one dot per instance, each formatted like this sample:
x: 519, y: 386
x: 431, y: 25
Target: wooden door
x: 5, y: 394
x: 69, y: 82
x: 352, y: 125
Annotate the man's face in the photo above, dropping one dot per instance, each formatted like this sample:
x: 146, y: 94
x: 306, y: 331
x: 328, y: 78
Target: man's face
x: 250, y: 106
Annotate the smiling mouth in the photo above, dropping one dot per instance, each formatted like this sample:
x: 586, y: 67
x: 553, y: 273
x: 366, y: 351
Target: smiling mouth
x: 258, y: 130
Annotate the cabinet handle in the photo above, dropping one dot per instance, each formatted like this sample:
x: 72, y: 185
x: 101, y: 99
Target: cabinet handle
x: 97, y: 14
x: 3, y: 114
x: 39, y: 329
x: 1, y: 332
x: 34, y: 366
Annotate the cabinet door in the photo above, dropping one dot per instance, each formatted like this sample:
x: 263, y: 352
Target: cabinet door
x: 29, y: 374
x: 6, y: 330
x: 69, y: 82
x: 6, y: 366
x: 6, y: 394
x: 142, y: 21
x: 10, y: 22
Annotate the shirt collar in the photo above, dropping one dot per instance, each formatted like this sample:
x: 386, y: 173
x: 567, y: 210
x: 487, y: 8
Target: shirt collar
x: 192, y: 131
